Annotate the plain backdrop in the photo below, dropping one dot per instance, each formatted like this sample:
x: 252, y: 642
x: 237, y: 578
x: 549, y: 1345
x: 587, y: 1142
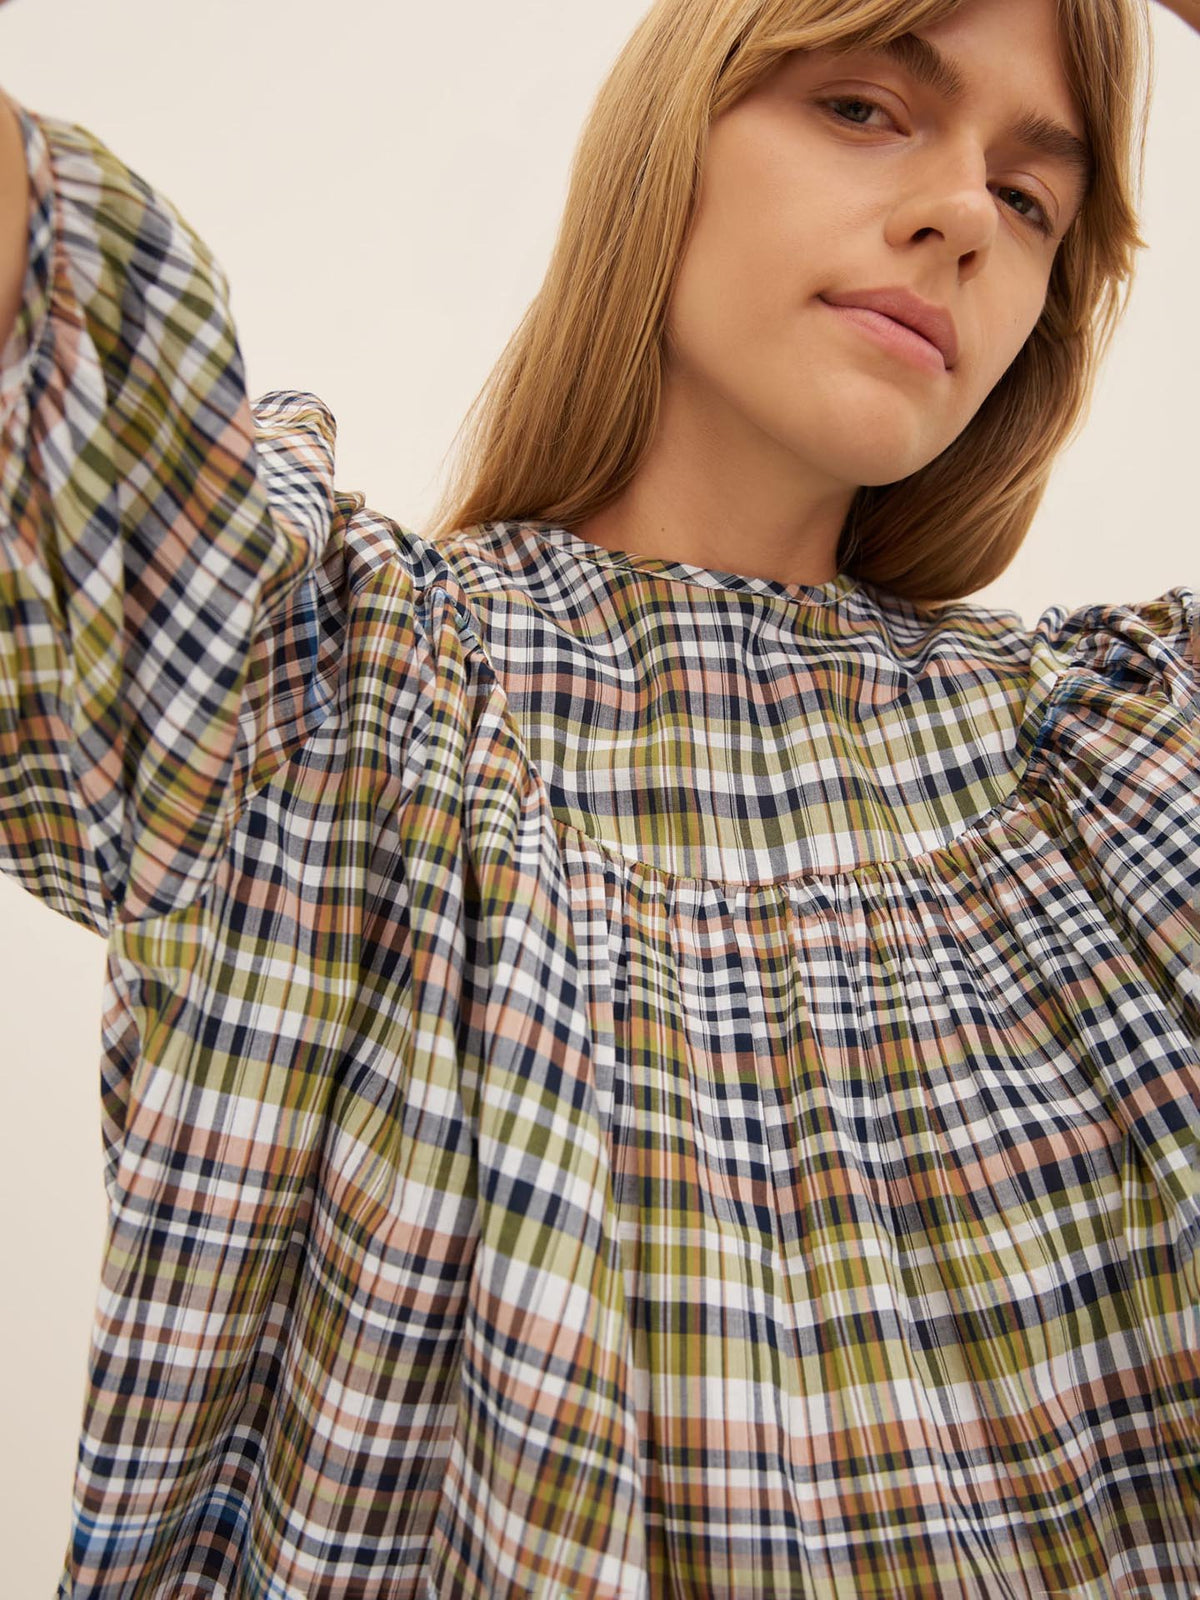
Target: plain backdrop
x: 382, y: 183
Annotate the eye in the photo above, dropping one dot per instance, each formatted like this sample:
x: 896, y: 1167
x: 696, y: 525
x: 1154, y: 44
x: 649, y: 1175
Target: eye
x: 851, y: 100
x: 1044, y: 224
x: 1039, y: 219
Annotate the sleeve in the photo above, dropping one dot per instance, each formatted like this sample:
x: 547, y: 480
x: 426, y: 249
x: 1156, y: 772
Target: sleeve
x: 1117, y: 771
x: 157, y: 652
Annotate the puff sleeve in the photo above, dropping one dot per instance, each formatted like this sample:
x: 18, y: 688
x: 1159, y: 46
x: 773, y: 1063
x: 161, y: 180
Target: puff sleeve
x: 154, y: 529
x: 1116, y: 773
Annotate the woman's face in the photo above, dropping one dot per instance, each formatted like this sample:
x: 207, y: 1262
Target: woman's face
x: 808, y: 192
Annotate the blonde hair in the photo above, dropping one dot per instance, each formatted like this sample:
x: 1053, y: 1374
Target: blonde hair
x: 562, y: 422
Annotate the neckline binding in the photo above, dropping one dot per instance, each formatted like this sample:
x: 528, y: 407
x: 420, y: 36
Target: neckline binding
x: 827, y: 593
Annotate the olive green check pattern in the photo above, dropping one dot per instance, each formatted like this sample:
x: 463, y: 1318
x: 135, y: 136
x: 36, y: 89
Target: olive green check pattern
x: 620, y: 1081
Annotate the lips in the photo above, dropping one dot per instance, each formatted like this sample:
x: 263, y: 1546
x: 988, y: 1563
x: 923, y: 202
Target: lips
x: 902, y: 305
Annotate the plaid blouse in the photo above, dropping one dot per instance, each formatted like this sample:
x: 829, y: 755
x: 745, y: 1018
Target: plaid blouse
x: 620, y: 1081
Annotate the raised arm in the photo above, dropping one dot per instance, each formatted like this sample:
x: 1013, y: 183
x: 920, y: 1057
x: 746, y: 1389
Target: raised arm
x: 14, y: 216
x: 158, y: 540
x: 1189, y: 10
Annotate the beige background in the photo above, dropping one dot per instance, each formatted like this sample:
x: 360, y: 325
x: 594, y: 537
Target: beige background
x: 382, y: 183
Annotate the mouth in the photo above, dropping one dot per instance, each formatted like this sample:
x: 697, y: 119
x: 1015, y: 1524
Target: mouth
x: 923, y: 318
x: 893, y: 336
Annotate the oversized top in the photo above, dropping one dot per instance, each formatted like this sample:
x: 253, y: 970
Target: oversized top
x: 621, y: 1081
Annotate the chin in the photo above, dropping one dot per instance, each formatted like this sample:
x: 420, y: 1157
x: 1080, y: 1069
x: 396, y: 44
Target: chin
x: 881, y: 479
x: 874, y: 472
x: 867, y: 446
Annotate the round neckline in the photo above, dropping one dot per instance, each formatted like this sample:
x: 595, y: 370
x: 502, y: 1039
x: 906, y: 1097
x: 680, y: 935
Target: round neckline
x: 827, y: 593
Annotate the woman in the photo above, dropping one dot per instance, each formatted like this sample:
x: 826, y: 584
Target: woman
x: 650, y: 1050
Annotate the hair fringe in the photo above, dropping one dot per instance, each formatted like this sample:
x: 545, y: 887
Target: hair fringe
x: 563, y: 420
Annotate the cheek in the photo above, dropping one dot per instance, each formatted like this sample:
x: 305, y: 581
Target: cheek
x: 986, y: 369
x: 708, y: 304
x: 760, y: 240
x: 997, y: 338
x: 741, y: 286
x: 1016, y: 329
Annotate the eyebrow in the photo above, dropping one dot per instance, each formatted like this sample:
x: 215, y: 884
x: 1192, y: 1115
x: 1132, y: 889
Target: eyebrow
x: 926, y: 63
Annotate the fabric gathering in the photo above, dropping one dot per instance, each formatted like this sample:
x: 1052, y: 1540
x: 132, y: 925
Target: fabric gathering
x: 619, y: 1080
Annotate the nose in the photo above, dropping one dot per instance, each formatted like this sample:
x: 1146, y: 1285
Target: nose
x: 945, y: 200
